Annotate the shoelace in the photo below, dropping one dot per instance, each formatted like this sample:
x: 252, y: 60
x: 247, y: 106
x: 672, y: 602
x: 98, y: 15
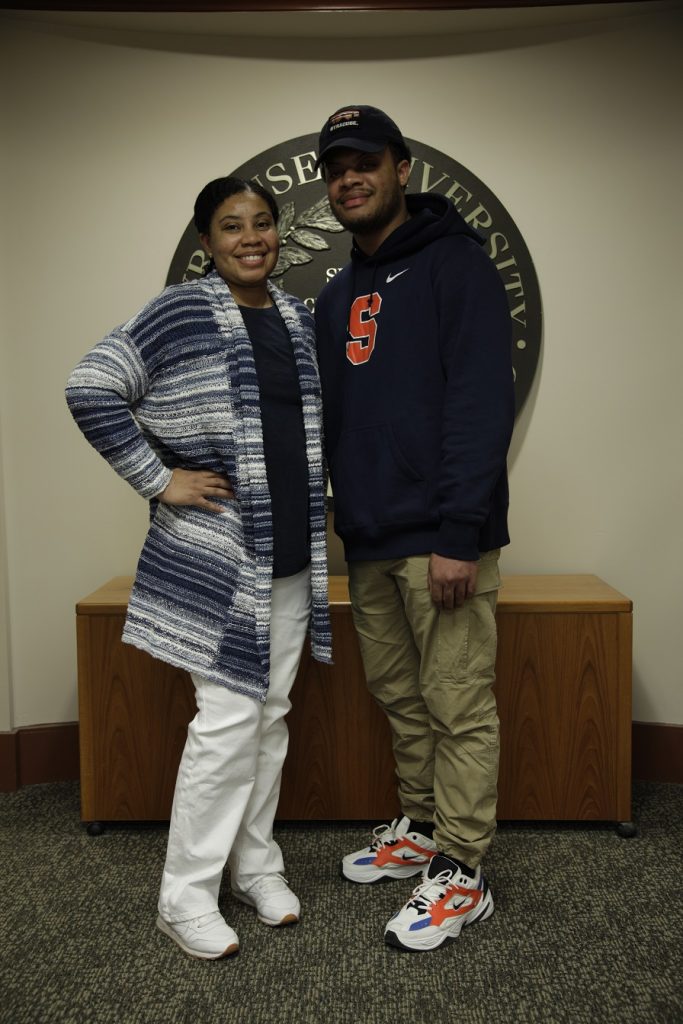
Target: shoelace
x: 270, y: 884
x: 430, y: 891
x: 380, y: 836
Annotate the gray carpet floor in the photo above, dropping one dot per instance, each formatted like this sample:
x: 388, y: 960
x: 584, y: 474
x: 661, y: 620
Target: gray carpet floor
x: 587, y: 930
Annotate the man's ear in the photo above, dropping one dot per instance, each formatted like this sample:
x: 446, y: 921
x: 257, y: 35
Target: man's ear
x: 403, y: 172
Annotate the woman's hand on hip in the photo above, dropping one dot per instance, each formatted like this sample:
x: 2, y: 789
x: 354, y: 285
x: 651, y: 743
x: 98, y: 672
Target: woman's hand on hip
x: 197, y: 487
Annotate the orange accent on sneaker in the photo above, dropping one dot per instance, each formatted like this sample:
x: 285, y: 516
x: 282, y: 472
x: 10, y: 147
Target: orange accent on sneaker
x: 387, y: 854
x: 439, y: 912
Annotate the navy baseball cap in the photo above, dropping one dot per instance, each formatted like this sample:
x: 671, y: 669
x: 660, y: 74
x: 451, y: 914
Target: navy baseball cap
x: 358, y: 127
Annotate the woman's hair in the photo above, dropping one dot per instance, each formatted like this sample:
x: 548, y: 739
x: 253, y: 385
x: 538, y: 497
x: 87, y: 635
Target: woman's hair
x: 213, y: 194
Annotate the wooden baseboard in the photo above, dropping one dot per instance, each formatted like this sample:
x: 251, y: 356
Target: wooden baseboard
x: 49, y: 753
x: 38, y: 753
x: 9, y: 769
x: 657, y: 752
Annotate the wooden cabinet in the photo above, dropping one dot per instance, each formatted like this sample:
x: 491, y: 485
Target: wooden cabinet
x: 564, y: 671
x: 563, y: 690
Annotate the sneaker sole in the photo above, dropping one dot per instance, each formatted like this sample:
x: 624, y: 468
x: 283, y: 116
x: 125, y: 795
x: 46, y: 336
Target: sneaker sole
x: 288, y: 919
x: 369, y: 875
x: 166, y: 928
x: 438, y: 938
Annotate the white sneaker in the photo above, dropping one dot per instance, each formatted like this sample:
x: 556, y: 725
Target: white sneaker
x: 274, y: 901
x: 444, y: 902
x: 207, y: 937
x: 394, y: 853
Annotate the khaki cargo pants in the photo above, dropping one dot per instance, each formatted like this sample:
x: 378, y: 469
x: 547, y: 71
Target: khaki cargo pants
x: 433, y: 672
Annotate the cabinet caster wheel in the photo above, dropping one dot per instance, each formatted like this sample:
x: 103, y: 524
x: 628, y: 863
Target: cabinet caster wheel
x: 95, y: 828
x: 626, y: 830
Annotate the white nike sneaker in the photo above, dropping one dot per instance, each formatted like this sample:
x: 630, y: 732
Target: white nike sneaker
x: 394, y: 853
x: 444, y: 902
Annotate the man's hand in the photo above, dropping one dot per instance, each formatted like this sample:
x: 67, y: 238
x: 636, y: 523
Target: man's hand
x: 451, y: 581
x: 194, y: 487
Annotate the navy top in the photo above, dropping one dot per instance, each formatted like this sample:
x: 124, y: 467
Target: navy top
x: 415, y: 358
x: 284, y: 442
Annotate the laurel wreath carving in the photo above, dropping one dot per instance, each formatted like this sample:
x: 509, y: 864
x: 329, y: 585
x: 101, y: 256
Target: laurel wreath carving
x: 295, y: 233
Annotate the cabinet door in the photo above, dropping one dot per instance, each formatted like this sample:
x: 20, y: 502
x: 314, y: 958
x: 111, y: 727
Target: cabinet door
x: 564, y: 700
x: 340, y: 764
x: 134, y: 712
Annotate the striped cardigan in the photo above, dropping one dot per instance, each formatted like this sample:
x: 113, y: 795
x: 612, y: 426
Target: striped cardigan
x: 176, y: 386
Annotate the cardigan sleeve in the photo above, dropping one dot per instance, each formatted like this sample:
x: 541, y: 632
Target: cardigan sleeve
x: 101, y: 394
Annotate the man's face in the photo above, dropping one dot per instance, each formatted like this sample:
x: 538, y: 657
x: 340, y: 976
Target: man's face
x: 365, y: 190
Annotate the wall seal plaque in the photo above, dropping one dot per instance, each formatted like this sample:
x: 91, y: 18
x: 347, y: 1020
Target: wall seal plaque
x: 314, y: 246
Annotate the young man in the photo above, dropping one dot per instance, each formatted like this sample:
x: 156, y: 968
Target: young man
x: 414, y: 347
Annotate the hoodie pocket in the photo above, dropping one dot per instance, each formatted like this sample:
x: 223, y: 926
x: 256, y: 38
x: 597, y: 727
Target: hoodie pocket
x: 375, y: 482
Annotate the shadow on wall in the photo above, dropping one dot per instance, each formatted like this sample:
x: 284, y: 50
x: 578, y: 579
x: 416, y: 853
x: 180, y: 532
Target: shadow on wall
x: 311, y: 36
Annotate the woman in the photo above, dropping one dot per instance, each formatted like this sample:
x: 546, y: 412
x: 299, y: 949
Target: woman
x: 208, y: 403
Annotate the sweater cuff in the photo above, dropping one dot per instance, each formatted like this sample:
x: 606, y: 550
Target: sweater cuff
x: 156, y: 483
x: 458, y: 540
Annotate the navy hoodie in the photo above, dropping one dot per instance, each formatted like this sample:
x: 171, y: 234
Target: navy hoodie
x: 415, y: 354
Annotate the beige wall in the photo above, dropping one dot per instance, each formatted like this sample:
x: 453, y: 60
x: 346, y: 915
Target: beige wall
x: 5, y: 689
x: 577, y: 132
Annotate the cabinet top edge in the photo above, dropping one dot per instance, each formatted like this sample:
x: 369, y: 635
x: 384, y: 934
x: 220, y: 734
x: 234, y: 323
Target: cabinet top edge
x: 518, y: 593
x: 560, y: 593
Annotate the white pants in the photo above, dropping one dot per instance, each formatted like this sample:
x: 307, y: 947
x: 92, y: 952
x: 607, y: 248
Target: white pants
x: 228, y: 781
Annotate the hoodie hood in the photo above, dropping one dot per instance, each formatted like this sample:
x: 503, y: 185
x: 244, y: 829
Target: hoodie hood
x: 432, y: 216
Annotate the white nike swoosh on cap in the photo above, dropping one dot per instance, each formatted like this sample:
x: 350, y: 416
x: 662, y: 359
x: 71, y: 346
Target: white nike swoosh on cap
x: 392, y: 277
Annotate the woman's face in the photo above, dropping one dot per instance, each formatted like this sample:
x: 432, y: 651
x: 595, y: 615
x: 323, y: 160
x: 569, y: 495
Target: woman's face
x: 244, y: 244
